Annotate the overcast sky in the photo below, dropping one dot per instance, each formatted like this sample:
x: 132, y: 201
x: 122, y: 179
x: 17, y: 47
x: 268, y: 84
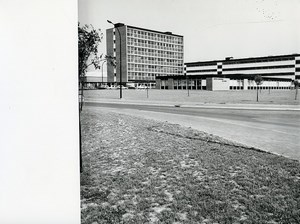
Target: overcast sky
x: 212, y: 29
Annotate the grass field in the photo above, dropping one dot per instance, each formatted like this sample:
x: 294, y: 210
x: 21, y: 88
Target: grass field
x: 142, y: 171
x: 284, y: 97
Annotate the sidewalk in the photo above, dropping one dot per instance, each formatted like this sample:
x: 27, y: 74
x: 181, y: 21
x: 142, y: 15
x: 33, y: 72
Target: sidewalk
x: 260, y: 120
x: 197, y: 105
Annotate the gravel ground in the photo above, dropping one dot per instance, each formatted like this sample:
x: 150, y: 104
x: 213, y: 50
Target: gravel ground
x: 143, y: 171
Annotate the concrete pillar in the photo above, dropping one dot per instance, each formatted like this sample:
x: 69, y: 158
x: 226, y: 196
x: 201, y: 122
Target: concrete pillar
x: 209, y: 84
x: 158, y: 84
x: 186, y: 84
x: 245, y: 84
x: 170, y: 83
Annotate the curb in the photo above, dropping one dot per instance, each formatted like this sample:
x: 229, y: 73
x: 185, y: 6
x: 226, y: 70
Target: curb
x: 204, y: 105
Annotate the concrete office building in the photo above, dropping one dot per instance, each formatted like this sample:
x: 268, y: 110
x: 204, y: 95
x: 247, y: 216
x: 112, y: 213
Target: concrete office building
x: 145, y: 54
x: 278, y: 72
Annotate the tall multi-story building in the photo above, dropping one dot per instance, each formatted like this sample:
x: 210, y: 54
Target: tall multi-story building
x: 278, y: 72
x: 144, y: 54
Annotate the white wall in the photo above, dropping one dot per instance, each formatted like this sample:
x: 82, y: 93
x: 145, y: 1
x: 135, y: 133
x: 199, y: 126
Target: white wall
x: 39, y: 148
x: 260, y: 71
x: 259, y: 64
x: 202, y: 67
x: 217, y: 84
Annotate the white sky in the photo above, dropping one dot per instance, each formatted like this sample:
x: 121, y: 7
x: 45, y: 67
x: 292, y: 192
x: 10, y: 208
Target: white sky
x: 212, y: 29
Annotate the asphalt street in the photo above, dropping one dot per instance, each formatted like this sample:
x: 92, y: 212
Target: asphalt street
x: 276, y: 131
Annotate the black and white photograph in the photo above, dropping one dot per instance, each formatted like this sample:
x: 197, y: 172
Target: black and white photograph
x: 150, y: 112
x: 189, y: 111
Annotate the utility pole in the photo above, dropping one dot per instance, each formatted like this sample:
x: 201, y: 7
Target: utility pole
x: 187, y: 85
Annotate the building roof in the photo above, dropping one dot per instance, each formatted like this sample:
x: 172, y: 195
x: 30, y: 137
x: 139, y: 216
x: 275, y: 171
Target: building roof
x: 230, y: 59
x: 139, y: 28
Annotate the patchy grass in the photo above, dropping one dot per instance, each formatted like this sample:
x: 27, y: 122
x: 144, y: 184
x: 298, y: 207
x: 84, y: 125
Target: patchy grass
x: 143, y: 171
x: 284, y: 97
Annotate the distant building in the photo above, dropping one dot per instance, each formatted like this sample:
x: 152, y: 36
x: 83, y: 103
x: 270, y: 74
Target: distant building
x: 94, y: 82
x: 145, y: 54
x: 277, y: 72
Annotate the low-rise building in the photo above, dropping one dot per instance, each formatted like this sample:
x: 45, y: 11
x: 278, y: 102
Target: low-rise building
x: 95, y: 82
x: 277, y: 72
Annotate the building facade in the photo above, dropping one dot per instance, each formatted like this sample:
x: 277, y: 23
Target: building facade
x: 144, y: 54
x: 95, y: 82
x: 277, y: 72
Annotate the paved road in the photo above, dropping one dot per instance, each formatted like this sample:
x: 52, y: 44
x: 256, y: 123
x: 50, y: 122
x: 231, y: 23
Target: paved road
x: 276, y: 131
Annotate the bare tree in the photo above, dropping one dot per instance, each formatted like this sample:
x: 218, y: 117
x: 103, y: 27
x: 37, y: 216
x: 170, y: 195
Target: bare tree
x: 296, y: 83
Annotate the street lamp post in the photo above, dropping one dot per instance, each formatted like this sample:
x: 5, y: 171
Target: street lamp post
x: 102, y: 70
x: 187, y: 85
x: 120, y: 57
x: 147, y: 90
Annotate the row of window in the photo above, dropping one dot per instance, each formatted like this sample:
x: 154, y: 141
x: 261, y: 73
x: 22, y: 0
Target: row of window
x: 154, y: 60
x: 175, y: 49
x: 259, y: 68
x: 155, y: 53
x: 154, y: 68
x: 154, y: 36
x: 140, y: 76
x: 154, y: 44
x: 132, y: 66
x: 145, y: 76
x: 258, y: 60
x: 167, y: 48
x: 242, y: 61
x: 203, y: 70
x: 200, y: 64
x: 246, y: 75
x: 147, y: 62
x: 245, y: 68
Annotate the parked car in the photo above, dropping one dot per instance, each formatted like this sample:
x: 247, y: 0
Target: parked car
x: 102, y: 87
x: 111, y: 87
x: 123, y: 87
x: 142, y: 87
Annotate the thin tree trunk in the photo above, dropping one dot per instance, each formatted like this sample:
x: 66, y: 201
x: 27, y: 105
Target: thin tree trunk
x: 187, y: 86
x: 81, y: 97
x: 296, y: 93
x: 257, y: 94
x: 80, y: 109
x: 80, y: 146
x: 147, y: 90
